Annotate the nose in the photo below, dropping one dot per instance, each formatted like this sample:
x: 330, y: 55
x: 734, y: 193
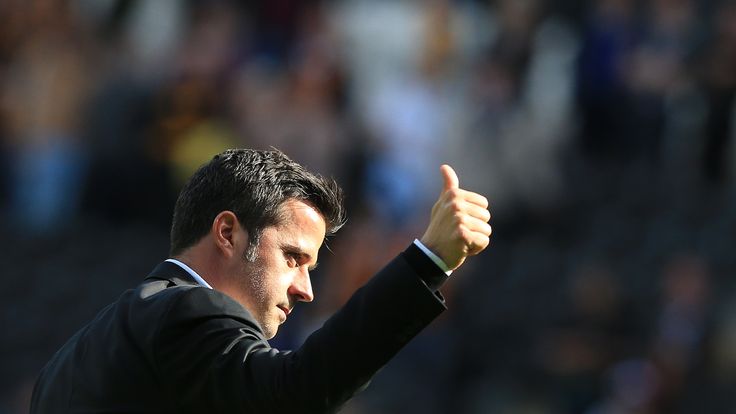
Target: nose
x: 301, y: 287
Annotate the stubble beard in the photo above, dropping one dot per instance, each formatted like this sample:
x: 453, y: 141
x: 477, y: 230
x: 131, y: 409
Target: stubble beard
x: 254, y: 283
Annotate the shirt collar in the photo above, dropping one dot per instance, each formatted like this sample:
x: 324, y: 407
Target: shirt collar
x: 191, y: 272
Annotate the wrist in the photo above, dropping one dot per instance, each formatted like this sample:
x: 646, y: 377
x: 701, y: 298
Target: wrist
x: 432, y: 255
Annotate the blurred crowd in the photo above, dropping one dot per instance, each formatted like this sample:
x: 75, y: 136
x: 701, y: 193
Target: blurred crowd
x: 601, y: 132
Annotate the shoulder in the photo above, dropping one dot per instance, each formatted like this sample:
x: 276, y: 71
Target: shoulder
x: 157, y: 307
x: 190, y: 307
x: 185, y: 301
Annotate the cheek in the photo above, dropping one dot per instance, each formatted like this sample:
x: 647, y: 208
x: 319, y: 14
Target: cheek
x: 279, y: 274
x: 271, y: 278
x: 283, y: 281
x: 275, y: 281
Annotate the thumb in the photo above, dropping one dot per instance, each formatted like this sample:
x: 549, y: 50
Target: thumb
x: 449, y: 178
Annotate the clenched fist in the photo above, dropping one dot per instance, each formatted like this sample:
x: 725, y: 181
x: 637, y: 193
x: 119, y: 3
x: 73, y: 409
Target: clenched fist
x: 458, y: 227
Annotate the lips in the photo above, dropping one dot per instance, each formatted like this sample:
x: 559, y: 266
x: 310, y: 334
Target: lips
x: 286, y: 311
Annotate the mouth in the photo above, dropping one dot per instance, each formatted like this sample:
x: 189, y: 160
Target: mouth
x: 285, y: 310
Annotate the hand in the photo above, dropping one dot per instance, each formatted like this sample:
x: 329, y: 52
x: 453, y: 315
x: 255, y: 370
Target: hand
x: 458, y: 227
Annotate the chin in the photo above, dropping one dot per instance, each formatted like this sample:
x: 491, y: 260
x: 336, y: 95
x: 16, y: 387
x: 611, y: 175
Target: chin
x: 269, y: 333
x: 270, y: 330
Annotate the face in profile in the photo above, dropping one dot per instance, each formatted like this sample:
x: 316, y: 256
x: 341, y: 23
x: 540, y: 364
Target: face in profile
x: 271, y: 285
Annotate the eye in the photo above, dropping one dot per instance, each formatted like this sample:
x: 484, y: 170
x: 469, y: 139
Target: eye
x: 292, y: 259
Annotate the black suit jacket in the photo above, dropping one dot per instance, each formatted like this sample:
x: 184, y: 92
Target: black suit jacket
x: 171, y: 345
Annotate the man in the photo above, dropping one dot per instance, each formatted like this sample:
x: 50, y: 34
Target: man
x: 246, y: 231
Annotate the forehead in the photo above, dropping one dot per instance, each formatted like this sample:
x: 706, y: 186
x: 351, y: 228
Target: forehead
x: 301, y: 220
x: 301, y: 212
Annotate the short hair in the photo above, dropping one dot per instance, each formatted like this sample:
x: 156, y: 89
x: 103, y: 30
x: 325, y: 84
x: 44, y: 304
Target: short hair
x: 253, y: 184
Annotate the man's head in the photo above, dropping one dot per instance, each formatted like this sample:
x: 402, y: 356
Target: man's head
x: 254, y: 185
x: 266, y: 217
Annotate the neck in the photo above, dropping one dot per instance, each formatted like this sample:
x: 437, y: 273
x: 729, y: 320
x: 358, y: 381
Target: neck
x: 202, y: 263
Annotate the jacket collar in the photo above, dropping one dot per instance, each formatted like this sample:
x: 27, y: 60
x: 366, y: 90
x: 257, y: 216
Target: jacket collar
x: 173, y: 273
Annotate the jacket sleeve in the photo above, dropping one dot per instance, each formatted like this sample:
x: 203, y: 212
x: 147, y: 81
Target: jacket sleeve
x: 212, y: 356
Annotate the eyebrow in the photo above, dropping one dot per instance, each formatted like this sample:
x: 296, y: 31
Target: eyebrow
x: 295, y: 249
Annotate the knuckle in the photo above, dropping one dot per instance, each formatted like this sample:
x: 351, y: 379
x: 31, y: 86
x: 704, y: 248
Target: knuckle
x: 486, y: 215
x: 465, y: 234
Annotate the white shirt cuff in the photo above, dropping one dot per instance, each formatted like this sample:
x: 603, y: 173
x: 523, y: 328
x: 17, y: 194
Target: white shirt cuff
x: 436, y: 259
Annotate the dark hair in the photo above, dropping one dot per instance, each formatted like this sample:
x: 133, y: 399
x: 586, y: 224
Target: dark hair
x: 252, y: 184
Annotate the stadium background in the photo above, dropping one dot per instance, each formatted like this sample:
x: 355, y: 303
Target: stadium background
x: 601, y: 131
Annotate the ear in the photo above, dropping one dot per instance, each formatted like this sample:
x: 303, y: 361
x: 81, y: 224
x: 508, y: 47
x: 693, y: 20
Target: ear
x: 225, y: 228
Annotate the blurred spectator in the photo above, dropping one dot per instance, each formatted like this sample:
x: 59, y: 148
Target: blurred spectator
x: 718, y: 73
x: 597, y: 330
x: 519, y: 115
x: 630, y: 389
x: 44, y: 91
x: 682, y: 325
x: 190, y: 126
x: 654, y: 69
x: 411, y: 110
x: 609, y: 38
x: 298, y: 107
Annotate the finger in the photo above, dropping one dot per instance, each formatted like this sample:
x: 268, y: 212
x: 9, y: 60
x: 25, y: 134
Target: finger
x: 478, y: 212
x: 449, y: 178
x: 474, y: 198
x: 476, y: 243
x: 477, y: 226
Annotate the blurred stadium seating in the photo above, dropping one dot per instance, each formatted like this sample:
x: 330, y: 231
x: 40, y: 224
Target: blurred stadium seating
x: 601, y: 131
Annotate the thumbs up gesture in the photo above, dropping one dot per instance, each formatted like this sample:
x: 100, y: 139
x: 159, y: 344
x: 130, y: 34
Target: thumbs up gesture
x: 458, y: 226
